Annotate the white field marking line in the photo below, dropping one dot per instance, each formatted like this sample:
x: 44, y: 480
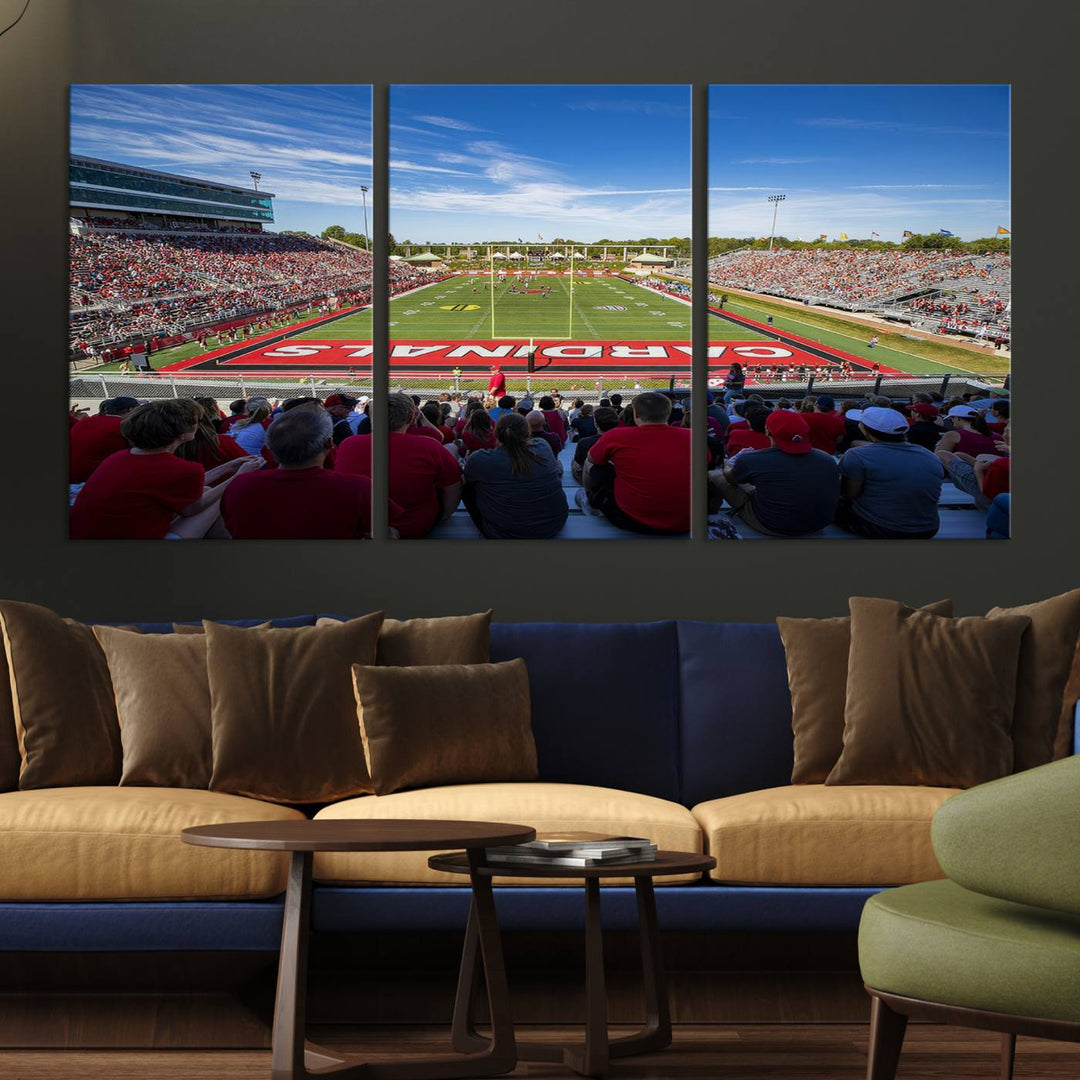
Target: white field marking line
x: 415, y: 289
x: 846, y: 337
x: 584, y: 318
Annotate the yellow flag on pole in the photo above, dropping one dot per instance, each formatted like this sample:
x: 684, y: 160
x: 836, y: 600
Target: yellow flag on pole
x: 843, y: 236
x: 1002, y: 231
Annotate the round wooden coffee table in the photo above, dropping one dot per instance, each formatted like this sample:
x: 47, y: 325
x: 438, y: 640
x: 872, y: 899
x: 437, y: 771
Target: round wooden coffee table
x: 291, y: 1057
x: 590, y: 1059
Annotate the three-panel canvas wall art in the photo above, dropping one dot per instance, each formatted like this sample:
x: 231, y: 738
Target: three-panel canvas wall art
x: 853, y: 384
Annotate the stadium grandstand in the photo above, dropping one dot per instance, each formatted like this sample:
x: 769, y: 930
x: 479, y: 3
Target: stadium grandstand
x: 942, y: 291
x: 157, y: 259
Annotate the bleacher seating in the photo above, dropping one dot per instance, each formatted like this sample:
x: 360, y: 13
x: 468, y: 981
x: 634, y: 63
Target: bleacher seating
x: 960, y: 519
x: 146, y: 283
x: 861, y: 280
x: 579, y: 525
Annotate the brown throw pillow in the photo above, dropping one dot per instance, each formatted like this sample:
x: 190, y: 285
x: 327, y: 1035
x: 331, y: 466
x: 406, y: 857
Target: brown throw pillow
x: 448, y: 724
x: 455, y: 639
x: 817, y: 662
x: 163, y: 702
x: 197, y: 628
x: 283, y: 713
x: 9, y: 739
x: 1046, y: 657
x: 929, y: 700
x: 62, y: 697
x: 1066, y: 729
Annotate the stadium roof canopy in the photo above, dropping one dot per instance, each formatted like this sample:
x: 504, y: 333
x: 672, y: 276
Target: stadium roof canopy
x: 424, y: 257
x: 97, y: 185
x: 649, y: 260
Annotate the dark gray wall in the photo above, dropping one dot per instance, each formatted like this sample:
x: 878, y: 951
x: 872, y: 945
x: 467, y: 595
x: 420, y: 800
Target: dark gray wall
x: 65, y: 41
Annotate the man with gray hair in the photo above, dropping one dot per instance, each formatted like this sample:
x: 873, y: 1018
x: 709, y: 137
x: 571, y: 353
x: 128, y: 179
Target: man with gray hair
x: 299, y: 500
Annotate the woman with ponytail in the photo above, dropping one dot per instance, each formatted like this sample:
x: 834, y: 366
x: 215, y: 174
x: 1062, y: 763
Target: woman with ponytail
x: 478, y: 433
x: 969, y: 437
x: 514, y: 492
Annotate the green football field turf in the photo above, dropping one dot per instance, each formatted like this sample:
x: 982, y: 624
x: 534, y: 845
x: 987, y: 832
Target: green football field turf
x: 648, y: 316
x: 428, y: 314
x: 848, y: 342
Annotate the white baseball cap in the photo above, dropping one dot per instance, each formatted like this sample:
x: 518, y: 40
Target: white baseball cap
x: 883, y: 421
x: 963, y: 412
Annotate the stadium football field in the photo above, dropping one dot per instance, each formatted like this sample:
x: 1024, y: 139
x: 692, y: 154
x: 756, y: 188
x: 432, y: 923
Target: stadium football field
x: 580, y: 329
x: 466, y: 309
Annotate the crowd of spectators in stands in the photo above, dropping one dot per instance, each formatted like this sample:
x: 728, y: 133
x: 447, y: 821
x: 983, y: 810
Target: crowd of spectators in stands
x: 853, y: 277
x: 183, y: 468
x: 978, y: 314
x: 301, y: 468
x: 874, y: 467
x: 186, y: 225
x: 125, y: 285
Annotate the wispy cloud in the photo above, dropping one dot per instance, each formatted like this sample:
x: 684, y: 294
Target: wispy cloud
x: 914, y: 187
x: 311, y: 143
x: 857, y: 214
x: 553, y: 160
x: 855, y: 123
x: 775, y: 161
x: 448, y: 122
x: 570, y: 207
x: 631, y: 105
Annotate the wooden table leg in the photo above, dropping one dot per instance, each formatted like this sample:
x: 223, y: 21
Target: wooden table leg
x: 463, y: 1034
x: 592, y: 1059
x: 656, y: 1034
x: 292, y: 1058
x: 287, y: 1061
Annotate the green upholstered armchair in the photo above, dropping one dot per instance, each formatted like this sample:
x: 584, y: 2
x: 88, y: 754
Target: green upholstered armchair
x: 997, y: 944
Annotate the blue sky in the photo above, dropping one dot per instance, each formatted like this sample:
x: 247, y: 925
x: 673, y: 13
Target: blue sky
x: 581, y: 162
x: 311, y: 143
x: 859, y: 159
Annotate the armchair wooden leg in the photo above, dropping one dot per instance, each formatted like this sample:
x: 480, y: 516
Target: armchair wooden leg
x: 1008, y: 1056
x: 886, y: 1039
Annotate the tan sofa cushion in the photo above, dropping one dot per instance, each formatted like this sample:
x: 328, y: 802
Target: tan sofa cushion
x: 810, y: 834
x: 546, y: 807
x: 123, y: 843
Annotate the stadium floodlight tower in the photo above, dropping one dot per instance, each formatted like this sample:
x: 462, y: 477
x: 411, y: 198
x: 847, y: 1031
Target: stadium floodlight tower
x: 363, y: 195
x: 776, y: 200
x: 255, y: 178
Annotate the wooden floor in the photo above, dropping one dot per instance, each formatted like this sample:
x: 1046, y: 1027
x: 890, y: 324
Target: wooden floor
x: 700, y: 1052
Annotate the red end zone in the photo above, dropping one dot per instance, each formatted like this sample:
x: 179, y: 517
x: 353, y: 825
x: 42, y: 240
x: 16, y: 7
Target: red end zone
x: 572, y: 357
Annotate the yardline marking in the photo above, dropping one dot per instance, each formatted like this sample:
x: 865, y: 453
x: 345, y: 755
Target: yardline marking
x: 581, y: 313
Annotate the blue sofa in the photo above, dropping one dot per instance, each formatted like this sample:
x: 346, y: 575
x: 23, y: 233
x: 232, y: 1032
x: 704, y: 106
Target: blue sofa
x: 685, y: 712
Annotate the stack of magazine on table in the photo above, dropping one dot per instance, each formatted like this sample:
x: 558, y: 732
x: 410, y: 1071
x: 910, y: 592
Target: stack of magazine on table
x: 575, y: 849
